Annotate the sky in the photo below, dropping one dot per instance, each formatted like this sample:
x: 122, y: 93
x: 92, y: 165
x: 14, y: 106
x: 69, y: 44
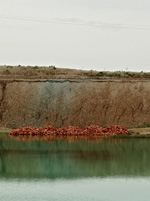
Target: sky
x: 107, y: 35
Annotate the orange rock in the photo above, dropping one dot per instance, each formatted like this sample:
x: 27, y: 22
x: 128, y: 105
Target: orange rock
x: 71, y: 130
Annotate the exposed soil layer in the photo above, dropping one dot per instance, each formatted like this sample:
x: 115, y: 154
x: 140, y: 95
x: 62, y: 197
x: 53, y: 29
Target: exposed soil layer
x: 33, y: 96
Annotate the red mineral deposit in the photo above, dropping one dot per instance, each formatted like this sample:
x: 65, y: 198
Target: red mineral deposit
x: 71, y: 131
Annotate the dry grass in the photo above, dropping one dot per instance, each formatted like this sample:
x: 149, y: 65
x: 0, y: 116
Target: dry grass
x: 52, y: 72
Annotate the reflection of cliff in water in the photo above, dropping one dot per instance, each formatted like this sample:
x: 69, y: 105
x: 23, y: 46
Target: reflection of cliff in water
x: 63, y: 159
x: 52, y: 138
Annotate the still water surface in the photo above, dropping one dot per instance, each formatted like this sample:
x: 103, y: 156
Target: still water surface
x: 59, y: 170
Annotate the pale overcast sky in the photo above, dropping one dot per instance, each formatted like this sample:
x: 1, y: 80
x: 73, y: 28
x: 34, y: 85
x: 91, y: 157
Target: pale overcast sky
x: 84, y: 34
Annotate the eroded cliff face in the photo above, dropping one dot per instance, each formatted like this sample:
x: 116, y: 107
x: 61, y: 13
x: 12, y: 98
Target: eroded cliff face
x: 74, y: 102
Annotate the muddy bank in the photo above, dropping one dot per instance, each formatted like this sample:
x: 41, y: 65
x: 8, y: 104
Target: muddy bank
x: 74, y: 102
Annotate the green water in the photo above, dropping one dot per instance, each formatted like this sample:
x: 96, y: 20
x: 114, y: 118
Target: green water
x: 105, y: 170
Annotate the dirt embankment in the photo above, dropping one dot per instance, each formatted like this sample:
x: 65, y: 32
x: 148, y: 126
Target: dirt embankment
x: 52, y: 72
x: 33, y: 96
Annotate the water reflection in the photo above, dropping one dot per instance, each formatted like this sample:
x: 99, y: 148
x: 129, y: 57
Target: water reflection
x: 54, y: 138
x: 73, y: 159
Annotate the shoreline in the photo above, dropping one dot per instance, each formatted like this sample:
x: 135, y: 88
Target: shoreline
x: 137, y: 133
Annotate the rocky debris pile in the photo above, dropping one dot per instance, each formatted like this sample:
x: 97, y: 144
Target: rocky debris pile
x: 116, y: 130
x: 72, y: 131
x: 25, y: 131
x: 94, y: 130
x: 49, y: 130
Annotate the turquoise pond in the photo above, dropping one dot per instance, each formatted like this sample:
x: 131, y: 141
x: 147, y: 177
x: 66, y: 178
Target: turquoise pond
x: 112, y: 169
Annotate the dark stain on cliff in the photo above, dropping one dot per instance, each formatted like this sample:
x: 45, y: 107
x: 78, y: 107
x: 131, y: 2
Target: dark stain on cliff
x: 2, y: 105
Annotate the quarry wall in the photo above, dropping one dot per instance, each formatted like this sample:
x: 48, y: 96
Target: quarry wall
x: 74, y: 102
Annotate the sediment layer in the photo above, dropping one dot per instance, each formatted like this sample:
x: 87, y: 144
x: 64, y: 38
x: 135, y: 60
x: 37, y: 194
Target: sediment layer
x: 74, y: 102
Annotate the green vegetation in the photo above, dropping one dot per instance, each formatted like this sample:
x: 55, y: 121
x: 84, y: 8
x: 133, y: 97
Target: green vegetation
x: 123, y: 135
x: 146, y: 126
x: 3, y: 133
